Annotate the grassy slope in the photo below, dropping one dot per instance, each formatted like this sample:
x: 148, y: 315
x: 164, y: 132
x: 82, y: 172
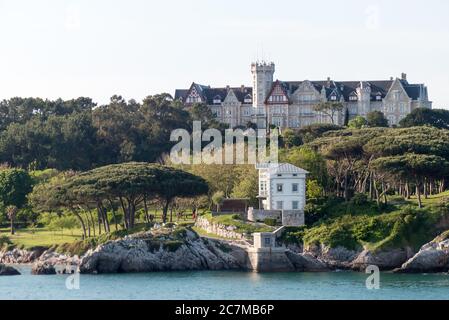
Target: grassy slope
x: 400, y: 224
x: 28, y: 238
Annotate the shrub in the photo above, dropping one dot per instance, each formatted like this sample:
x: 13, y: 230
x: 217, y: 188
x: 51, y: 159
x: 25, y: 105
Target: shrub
x: 271, y: 222
x: 5, y: 243
x: 359, y: 199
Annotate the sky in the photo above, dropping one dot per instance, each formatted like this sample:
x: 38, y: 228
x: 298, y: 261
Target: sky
x: 136, y: 48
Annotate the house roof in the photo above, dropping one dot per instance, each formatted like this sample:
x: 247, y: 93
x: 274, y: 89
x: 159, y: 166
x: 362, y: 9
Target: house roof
x: 208, y: 93
x: 342, y: 89
x: 280, y: 168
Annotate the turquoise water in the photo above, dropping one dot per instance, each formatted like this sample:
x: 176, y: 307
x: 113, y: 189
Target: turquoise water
x: 226, y: 285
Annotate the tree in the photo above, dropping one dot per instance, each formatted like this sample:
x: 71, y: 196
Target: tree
x: 11, y: 212
x: 131, y: 184
x: 314, y: 162
x: 201, y: 112
x: 330, y: 109
x: 247, y: 186
x: 15, y: 185
x: 357, y: 123
x: 291, y: 138
x: 438, y: 118
x: 376, y: 119
x: 415, y: 167
x: 313, y: 190
x: 217, y: 199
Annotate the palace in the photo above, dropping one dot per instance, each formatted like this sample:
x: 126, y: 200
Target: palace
x: 290, y: 104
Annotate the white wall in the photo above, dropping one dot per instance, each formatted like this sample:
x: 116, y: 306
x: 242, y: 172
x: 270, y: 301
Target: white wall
x: 287, y: 196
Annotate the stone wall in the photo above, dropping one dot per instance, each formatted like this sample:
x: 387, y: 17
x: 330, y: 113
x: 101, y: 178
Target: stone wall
x: 255, y: 215
x: 293, y: 218
x: 219, y: 229
x: 269, y: 260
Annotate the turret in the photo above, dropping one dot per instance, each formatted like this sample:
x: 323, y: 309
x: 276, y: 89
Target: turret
x: 263, y: 73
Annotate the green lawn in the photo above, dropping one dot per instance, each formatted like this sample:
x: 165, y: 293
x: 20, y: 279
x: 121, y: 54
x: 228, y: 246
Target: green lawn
x: 28, y: 238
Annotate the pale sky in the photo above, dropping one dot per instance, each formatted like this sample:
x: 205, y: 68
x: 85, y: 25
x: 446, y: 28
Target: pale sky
x: 98, y: 48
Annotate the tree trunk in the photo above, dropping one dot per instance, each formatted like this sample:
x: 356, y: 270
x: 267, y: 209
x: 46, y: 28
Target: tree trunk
x: 99, y: 221
x: 165, y: 211
x: 125, y: 214
x: 407, y: 191
x: 92, y: 221
x: 418, y: 194
x: 13, y: 231
x: 83, y: 226
x: 145, y: 206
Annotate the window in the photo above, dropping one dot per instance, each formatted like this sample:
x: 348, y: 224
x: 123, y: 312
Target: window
x: 248, y: 99
x: 295, y: 205
x: 333, y: 98
x: 263, y: 185
x: 280, y: 187
x: 353, y: 98
x: 396, y: 94
x: 217, y: 100
x: 378, y: 97
x: 267, y: 242
x: 280, y: 205
x: 295, y: 187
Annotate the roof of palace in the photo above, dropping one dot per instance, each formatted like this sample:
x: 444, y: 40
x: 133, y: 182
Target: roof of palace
x: 340, y: 89
x: 209, y: 94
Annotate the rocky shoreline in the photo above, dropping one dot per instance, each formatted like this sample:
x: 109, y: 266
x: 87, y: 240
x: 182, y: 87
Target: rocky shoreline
x: 144, y: 253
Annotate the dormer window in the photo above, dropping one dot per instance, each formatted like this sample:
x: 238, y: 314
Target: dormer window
x: 378, y: 97
x: 333, y: 98
x: 353, y: 97
x: 248, y: 99
x: 217, y: 100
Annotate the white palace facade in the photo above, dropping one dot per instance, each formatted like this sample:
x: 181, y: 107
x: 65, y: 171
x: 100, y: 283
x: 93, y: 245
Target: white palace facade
x: 290, y: 104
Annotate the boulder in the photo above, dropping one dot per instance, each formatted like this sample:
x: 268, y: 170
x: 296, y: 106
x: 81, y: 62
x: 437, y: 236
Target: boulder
x: 387, y: 259
x: 306, y: 262
x: 43, y: 268
x: 335, y: 258
x: 433, y: 257
x: 8, y: 271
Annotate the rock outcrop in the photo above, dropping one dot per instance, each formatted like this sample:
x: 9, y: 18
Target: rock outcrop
x: 386, y: 259
x: 359, y: 260
x: 43, y: 268
x: 433, y: 257
x: 8, y: 271
x: 306, y: 262
x: 18, y: 256
x: 334, y: 258
x: 141, y: 253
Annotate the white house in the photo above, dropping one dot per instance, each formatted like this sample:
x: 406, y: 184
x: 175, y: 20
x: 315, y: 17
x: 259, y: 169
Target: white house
x: 282, y: 194
x: 282, y: 186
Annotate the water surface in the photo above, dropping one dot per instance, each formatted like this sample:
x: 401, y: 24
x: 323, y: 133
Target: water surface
x: 226, y: 285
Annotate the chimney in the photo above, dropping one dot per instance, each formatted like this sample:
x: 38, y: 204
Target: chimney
x: 391, y: 78
x: 404, y: 76
x: 228, y: 88
x: 328, y: 82
x: 243, y: 88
